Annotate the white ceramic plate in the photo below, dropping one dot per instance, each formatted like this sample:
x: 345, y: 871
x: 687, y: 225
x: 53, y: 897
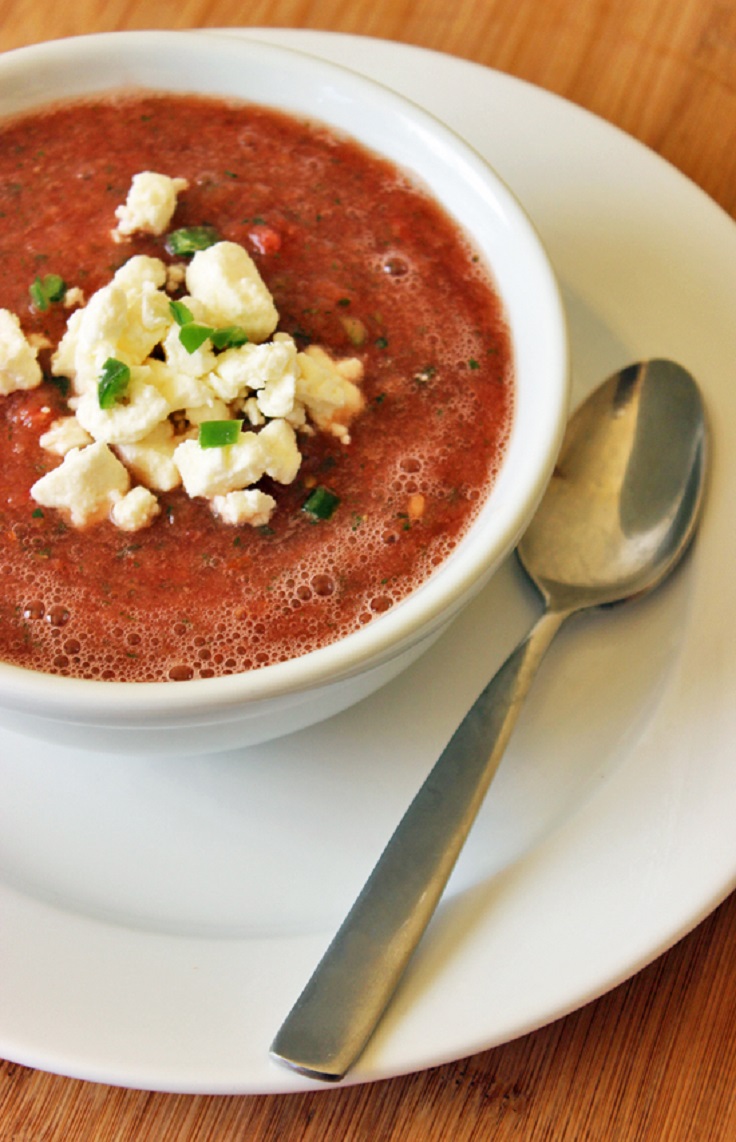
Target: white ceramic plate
x: 159, y: 916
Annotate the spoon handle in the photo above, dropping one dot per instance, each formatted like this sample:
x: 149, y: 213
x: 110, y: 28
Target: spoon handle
x: 333, y: 1018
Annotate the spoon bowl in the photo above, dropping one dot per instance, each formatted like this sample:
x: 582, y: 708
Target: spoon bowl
x: 624, y: 498
x: 620, y: 510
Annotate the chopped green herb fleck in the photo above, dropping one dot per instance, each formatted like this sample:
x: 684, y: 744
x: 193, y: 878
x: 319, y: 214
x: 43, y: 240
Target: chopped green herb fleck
x: 54, y: 287
x: 37, y: 513
x: 113, y: 383
x: 193, y: 335
x: 190, y: 239
x: 473, y: 364
x: 321, y: 503
x: 47, y: 289
x: 230, y: 337
x: 218, y: 433
x: 181, y: 313
x: 382, y: 342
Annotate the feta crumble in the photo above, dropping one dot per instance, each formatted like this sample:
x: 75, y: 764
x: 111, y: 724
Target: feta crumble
x: 64, y: 434
x: 136, y: 509
x: 328, y: 390
x: 225, y: 279
x: 127, y: 421
x: 87, y: 484
x: 115, y: 460
x: 213, y: 472
x: 19, y: 368
x: 247, y: 506
x: 151, y: 460
x: 150, y: 204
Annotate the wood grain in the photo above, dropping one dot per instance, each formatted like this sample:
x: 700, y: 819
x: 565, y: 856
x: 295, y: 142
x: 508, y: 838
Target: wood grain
x: 656, y: 1058
x: 662, y: 71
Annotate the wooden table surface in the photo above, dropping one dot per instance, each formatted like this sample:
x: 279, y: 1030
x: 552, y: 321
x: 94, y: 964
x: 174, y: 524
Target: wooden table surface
x: 655, y: 1058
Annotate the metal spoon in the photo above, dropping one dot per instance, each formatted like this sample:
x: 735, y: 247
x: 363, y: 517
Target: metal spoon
x: 619, y: 511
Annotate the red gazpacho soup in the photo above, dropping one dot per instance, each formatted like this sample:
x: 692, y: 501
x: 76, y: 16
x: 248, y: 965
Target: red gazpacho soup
x: 359, y: 261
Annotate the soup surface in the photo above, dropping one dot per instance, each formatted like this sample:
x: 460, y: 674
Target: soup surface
x: 358, y: 261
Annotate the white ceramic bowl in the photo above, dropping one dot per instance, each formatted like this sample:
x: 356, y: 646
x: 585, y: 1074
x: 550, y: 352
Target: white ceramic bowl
x: 210, y: 714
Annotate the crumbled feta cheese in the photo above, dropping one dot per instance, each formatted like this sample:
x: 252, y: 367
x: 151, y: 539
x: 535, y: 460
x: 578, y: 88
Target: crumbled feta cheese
x: 153, y: 424
x: 19, y: 368
x: 215, y: 471
x: 63, y: 361
x: 349, y: 368
x: 64, y: 434
x: 91, y: 336
x: 225, y: 279
x: 270, y: 369
x: 148, y: 315
x: 202, y: 361
x: 125, y: 319
x: 297, y: 418
x: 213, y: 409
x: 128, y: 420
x: 277, y: 397
x: 248, y: 506
x: 151, y: 460
x: 86, y: 484
x: 331, y: 398
x: 74, y: 296
x: 149, y: 319
x: 138, y: 272
x: 252, y: 412
x: 229, y: 378
x: 179, y: 390
x: 150, y: 204
x: 135, y: 510
x: 175, y: 275
x: 281, y: 457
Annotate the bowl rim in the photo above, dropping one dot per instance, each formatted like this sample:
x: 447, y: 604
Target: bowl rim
x: 435, y: 602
